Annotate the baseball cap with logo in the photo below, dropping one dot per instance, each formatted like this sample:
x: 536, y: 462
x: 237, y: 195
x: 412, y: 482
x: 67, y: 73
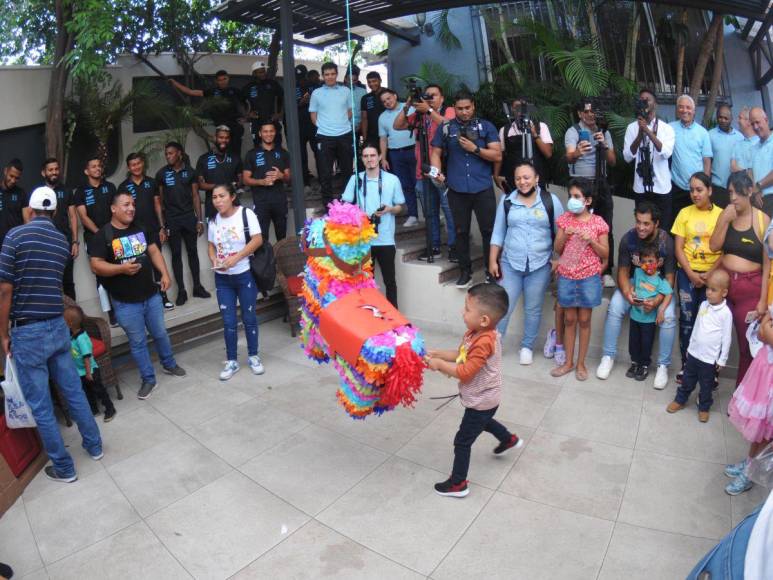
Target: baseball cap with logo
x: 43, y: 198
x: 258, y: 64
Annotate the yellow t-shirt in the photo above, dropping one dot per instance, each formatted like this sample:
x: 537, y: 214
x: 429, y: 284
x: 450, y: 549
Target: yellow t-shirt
x: 696, y: 227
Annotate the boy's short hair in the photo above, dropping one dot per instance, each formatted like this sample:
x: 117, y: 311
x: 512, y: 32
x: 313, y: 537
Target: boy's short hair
x: 649, y: 250
x: 721, y: 276
x: 75, y: 312
x: 492, y: 299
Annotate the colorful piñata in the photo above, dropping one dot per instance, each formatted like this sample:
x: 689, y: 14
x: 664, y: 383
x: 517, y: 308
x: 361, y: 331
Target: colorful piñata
x: 377, y: 353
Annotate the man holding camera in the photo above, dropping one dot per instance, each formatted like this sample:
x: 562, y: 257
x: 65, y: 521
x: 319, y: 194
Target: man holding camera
x: 471, y: 147
x: 432, y: 112
x: 378, y: 194
x: 649, y: 142
x: 583, y: 141
x: 692, y: 153
x: 515, y: 150
x: 397, y: 151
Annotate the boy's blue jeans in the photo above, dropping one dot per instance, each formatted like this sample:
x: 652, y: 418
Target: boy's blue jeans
x: 474, y: 423
x: 134, y: 318
x: 231, y: 287
x: 618, y: 309
x: 41, y: 350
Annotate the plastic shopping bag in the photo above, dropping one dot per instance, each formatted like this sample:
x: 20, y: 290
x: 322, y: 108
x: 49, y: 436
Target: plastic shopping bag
x: 760, y: 468
x: 18, y: 414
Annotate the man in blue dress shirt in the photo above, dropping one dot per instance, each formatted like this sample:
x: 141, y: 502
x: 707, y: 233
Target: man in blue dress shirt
x: 692, y: 153
x: 762, y: 159
x: 742, y: 152
x: 724, y: 139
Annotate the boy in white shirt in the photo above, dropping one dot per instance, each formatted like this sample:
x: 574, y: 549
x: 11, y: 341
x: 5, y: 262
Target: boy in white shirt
x: 709, y: 346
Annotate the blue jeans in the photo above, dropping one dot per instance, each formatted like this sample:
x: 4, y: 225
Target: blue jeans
x: 619, y: 309
x: 690, y: 299
x: 439, y: 202
x: 229, y: 288
x: 402, y: 162
x: 697, y: 372
x: 134, y: 318
x: 533, y: 285
x: 41, y: 350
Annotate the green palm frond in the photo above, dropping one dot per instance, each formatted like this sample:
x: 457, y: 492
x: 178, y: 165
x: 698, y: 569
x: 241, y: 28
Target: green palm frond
x: 580, y: 68
x: 445, y: 35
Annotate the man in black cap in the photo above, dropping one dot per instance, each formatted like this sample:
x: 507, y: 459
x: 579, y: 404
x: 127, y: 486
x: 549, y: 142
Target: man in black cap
x: 265, y: 99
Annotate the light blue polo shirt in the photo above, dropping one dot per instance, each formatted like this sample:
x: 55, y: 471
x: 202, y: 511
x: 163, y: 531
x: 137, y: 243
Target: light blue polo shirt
x: 691, y: 146
x: 744, y: 150
x: 762, y: 162
x: 359, y: 92
x: 722, y: 146
x: 396, y: 138
x: 391, y: 194
x: 332, y: 105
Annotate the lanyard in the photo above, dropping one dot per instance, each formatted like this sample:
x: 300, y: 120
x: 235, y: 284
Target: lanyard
x: 365, y: 190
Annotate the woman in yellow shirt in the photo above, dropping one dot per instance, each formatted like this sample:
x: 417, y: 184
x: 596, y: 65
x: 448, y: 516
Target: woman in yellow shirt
x: 692, y: 231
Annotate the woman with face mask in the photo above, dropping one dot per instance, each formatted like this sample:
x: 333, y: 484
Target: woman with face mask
x: 521, y: 248
x: 583, y: 244
x: 692, y: 231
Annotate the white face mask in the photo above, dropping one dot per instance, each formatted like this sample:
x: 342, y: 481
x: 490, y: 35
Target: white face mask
x: 575, y: 205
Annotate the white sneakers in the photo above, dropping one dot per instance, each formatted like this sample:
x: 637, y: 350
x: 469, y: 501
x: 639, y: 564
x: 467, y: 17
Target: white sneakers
x: 230, y: 369
x: 661, y: 378
x: 526, y: 356
x: 609, y: 281
x: 605, y: 367
x: 256, y: 365
x: 411, y: 221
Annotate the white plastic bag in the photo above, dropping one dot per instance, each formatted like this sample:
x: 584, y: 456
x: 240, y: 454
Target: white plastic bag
x: 760, y: 468
x: 753, y: 338
x: 18, y: 414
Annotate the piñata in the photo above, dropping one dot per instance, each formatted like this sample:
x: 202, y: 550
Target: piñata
x: 346, y: 320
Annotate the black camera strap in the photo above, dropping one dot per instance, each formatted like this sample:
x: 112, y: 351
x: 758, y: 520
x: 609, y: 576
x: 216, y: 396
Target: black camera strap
x: 365, y: 190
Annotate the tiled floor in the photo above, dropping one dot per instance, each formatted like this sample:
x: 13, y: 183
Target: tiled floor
x: 265, y: 477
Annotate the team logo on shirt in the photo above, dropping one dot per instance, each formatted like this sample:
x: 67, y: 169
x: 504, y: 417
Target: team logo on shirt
x: 169, y: 178
x: 260, y: 159
x: 89, y: 195
x: 129, y: 247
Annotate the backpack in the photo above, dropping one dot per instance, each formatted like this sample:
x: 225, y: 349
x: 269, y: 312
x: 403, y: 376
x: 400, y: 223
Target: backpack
x: 262, y: 262
x: 547, y: 201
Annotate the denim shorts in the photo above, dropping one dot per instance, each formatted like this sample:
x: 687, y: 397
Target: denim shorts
x: 585, y: 293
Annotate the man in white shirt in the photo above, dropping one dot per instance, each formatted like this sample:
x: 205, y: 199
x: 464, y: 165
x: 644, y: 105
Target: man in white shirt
x: 649, y: 138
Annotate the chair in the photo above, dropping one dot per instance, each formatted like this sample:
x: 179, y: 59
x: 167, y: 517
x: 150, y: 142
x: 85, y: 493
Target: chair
x: 97, y: 328
x: 290, y: 261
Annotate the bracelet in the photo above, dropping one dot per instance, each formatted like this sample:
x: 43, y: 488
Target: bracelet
x: 75, y: 242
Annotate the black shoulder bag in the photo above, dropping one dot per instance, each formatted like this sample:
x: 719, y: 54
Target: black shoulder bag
x: 262, y: 262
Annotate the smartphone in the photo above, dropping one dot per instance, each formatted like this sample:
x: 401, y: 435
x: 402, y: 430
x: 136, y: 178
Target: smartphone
x: 584, y: 135
x: 751, y: 317
x: 638, y: 300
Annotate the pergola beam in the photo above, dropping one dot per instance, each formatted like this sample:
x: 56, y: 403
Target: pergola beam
x: 358, y: 18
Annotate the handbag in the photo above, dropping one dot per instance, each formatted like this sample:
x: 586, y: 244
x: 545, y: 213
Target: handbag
x: 262, y: 262
x: 18, y: 414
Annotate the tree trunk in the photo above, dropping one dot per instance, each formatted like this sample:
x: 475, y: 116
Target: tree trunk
x: 273, y: 54
x: 716, y: 78
x: 502, y: 38
x: 629, y: 71
x: 58, y: 86
x: 679, y: 88
x: 707, y: 46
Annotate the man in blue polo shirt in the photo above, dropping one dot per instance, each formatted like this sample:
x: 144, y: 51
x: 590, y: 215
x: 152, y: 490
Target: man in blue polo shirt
x: 398, y: 150
x: 330, y: 108
x: 31, y: 268
x: 471, y: 147
x: 692, y: 153
x: 724, y: 139
x: 742, y: 152
x: 378, y: 194
x: 762, y: 159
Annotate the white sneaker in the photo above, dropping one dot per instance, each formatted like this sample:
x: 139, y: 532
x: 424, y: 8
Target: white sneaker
x: 411, y: 221
x: 526, y: 356
x: 605, y: 367
x: 609, y: 281
x: 230, y: 369
x: 256, y: 365
x: 661, y: 378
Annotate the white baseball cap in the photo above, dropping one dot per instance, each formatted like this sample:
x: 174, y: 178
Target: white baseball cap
x: 257, y: 65
x: 43, y: 198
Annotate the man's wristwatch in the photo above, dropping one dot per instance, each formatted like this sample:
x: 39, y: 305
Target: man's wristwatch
x: 75, y: 242
x: 758, y: 185
x: 477, y: 150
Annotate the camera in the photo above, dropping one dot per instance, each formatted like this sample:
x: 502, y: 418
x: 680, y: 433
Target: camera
x: 376, y: 219
x: 641, y: 107
x: 415, y: 92
x: 470, y: 130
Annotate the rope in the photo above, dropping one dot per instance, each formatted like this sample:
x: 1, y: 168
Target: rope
x: 351, y: 97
